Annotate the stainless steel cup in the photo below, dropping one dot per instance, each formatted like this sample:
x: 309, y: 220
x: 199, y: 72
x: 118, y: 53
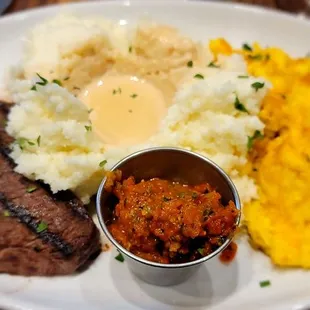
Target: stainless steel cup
x: 177, y: 165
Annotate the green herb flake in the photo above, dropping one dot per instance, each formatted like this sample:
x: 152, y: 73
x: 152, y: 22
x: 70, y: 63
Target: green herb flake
x: 39, y: 140
x: 166, y: 199
x: 199, y: 76
x: 257, y: 85
x: 31, y: 189
x: 34, y: 88
x: 42, y: 226
x: 247, y: 47
x: 130, y: 49
x: 120, y: 257
x: 43, y: 80
x: 206, y: 213
x: 88, y: 128
x: 201, y: 251
x: 67, y: 78
x: 4, y: 123
x: 76, y: 88
x: 243, y: 76
x: 257, y: 135
x: 130, y: 111
x: 194, y: 195
x: 102, y: 163
x: 181, y: 195
x: 57, y: 82
x: 117, y: 91
x: 133, y: 95
x: 30, y: 142
x: 90, y: 110
x: 264, y: 283
x: 190, y: 64
x: 255, y: 57
x: 212, y: 64
x: 267, y: 57
x: 6, y: 213
x: 21, y: 142
x: 239, y: 106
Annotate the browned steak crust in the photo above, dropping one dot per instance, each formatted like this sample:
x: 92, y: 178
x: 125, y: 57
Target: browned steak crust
x: 70, y: 237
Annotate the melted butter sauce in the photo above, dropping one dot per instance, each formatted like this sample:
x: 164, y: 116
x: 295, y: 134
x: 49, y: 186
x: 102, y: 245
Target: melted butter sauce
x: 125, y: 110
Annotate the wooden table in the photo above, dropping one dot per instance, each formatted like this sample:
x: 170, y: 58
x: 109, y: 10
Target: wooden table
x: 18, y: 5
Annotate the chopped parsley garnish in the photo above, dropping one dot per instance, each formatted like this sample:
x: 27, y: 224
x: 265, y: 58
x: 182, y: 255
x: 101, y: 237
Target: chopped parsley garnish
x: 181, y: 195
x: 76, y: 88
x: 207, y: 212
x: 257, y: 85
x: 90, y: 110
x: 199, y: 76
x: 247, y: 47
x: 43, y: 80
x: 264, y: 283
x: 133, y: 95
x: 201, y: 251
x: 41, y: 227
x: 4, y: 122
x: 6, y: 213
x: 239, y: 106
x: 102, y: 163
x: 88, y: 128
x: 243, y: 76
x: 213, y: 65
x: 39, y: 140
x: 166, y: 199
x: 67, y: 78
x: 130, y: 49
x: 57, y: 82
x: 267, y: 57
x: 31, y: 189
x: 120, y: 257
x: 257, y: 135
x: 256, y: 57
x: 190, y: 64
x: 117, y: 91
x: 22, y: 142
x: 194, y: 195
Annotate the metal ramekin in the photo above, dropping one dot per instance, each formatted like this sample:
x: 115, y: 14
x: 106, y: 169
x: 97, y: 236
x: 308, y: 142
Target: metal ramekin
x: 171, y: 164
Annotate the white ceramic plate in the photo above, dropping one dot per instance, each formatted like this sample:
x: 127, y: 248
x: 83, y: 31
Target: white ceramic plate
x: 107, y: 284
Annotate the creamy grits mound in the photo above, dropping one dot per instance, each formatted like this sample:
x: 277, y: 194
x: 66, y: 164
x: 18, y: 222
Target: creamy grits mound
x: 213, y: 111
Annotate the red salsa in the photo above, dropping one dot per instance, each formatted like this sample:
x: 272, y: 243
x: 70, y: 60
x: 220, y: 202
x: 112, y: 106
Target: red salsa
x: 229, y: 253
x: 168, y: 222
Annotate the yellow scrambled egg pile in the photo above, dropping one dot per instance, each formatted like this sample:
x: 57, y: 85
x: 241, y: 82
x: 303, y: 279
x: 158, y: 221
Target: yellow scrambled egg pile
x: 279, y: 222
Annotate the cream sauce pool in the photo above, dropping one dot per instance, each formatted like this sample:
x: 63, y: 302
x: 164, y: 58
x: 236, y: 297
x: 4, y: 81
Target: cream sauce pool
x: 125, y: 110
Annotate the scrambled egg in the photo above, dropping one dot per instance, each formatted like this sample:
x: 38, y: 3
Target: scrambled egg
x: 279, y: 222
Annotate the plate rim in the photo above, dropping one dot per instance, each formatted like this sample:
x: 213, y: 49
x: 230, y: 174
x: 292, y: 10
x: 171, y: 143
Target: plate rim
x: 247, y: 8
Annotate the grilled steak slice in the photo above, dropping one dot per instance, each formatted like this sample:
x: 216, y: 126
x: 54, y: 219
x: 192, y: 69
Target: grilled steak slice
x: 40, y: 233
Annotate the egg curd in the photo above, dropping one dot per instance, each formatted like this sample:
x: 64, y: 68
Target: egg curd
x: 279, y: 222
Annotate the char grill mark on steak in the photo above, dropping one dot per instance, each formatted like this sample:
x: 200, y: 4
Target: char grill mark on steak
x: 71, y: 236
x: 26, y: 218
